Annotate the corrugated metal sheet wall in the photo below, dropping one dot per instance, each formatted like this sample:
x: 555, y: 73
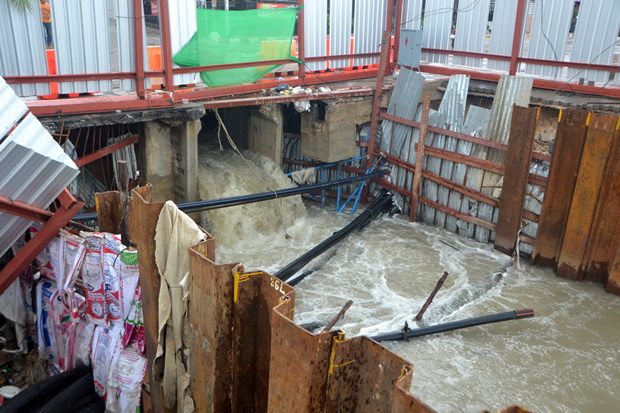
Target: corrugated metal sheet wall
x: 34, y: 167
x: 183, y: 25
x: 315, y: 31
x: 22, y: 47
x: 471, y: 26
x: 340, y: 18
x: 81, y: 39
x: 369, y: 23
x: 437, y: 28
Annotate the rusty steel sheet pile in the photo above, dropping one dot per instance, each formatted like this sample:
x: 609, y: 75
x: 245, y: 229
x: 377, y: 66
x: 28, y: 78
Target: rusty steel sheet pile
x: 246, y: 354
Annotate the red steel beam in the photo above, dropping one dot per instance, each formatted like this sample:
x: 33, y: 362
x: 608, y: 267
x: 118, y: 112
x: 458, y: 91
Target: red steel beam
x: 109, y: 103
x: 556, y: 85
x: 69, y: 207
x: 105, y: 151
x: 398, y: 25
x: 301, y: 43
x: 23, y: 210
x: 138, y: 41
x: 166, y: 44
x: 516, y: 37
x: 376, y: 103
x: 544, y: 62
x: 261, y: 100
x: 457, y: 214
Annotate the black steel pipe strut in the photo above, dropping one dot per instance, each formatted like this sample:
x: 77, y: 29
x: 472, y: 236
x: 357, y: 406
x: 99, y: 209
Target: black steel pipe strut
x: 453, y: 325
x: 258, y: 197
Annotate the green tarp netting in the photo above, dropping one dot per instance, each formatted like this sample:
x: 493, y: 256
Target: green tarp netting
x: 238, y: 37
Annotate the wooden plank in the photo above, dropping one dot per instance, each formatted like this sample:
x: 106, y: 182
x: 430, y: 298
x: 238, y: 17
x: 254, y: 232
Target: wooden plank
x: 417, y: 176
x: 583, y: 204
x: 518, y: 159
x: 569, y: 142
x: 604, y: 233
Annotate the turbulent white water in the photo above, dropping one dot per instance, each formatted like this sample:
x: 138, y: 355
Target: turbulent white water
x: 563, y: 360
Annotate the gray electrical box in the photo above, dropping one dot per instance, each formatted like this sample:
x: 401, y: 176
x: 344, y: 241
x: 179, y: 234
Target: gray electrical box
x: 410, y: 48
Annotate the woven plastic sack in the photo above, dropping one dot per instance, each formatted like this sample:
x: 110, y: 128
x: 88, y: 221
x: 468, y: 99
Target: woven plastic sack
x: 239, y: 36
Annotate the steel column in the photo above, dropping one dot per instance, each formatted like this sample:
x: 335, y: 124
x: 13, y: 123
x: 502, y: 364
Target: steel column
x: 166, y: 43
x: 69, y: 207
x: 138, y: 40
x: 516, y: 39
x: 301, y: 54
x: 397, y: 27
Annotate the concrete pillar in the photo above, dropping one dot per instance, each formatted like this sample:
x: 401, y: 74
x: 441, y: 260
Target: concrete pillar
x: 158, y: 156
x: 185, y: 145
x: 171, y: 159
x: 266, y: 132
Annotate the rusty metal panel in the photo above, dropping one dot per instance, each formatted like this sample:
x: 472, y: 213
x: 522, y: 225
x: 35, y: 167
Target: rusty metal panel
x: 362, y: 375
x: 569, y: 140
x: 581, y: 215
x: 518, y: 158
x: 613, y: 280
x: 604, y: 233
x: 143, y: 216
x: 109, y: 213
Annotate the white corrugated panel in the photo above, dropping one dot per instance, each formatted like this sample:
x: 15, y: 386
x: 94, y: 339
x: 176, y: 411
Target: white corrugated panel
x: 34, y: 168
x: 368, y: 26
x: 596, y: 34
x: 412, y: 14
x: 22, y: 47
x: 437, y: 28
x: 502, y: 32
x: 315, y: 32
x: 12, y: 108
x: 81, y: 39
x: 340, y: 16
x: 183, y: 25
x: 125, y: 42
x: 549, y: 35
x: 471, y: 31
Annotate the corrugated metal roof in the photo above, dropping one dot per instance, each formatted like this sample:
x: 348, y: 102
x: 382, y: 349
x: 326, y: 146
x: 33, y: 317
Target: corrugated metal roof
x: 22, y: 47
x: 34, y: 167
x: 12, y: 108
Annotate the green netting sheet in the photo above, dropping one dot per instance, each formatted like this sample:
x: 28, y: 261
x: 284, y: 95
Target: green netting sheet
x: 238, y: 37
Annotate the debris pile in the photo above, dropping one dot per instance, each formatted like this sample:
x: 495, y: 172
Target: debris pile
x: 87, y: 311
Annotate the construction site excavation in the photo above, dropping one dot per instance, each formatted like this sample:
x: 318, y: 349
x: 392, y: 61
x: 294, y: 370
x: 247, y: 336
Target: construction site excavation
x: 309, y: 206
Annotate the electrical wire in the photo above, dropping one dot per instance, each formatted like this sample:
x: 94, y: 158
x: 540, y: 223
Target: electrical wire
x: 443, y: 10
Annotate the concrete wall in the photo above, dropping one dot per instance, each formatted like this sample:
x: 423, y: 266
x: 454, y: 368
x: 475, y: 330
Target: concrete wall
x: 171, y: 159
x: 332, y: 138
x: 266, y: 131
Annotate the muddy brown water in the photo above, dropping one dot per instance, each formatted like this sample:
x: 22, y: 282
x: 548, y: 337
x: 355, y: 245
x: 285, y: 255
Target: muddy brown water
x: 563, y: 360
